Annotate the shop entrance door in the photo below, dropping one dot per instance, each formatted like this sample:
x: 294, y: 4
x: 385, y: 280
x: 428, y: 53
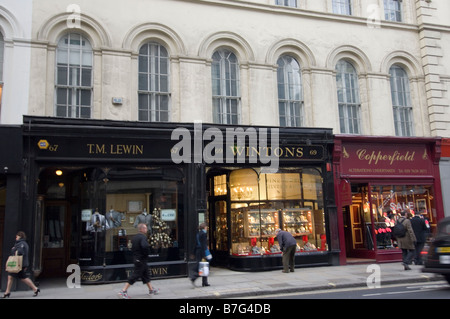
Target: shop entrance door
x: 357, y: 225
x: 55, y: 249
x: 219, y: 230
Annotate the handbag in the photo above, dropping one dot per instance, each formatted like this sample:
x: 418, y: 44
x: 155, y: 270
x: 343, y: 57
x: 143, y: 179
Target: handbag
x: 14, y: 263
x: 203, y: 269
x: 208, y: 255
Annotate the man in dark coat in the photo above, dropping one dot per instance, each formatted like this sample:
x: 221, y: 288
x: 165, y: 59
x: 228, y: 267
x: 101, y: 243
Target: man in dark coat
x: 140, y: 249
x: 420, y: 230
x: 288, y: 245
x: 406, y: 243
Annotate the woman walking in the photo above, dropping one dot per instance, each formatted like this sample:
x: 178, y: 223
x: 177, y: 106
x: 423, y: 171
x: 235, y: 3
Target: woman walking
x: 21, y: 247
x: 200, y: 249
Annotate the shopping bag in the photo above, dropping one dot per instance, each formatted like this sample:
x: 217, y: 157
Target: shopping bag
x: 14, y: 263
x: 208, y: 255
x: 203, y: 269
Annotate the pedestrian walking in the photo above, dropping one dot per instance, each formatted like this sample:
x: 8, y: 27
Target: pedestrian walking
x: 406, y: 242
x: 288, y: 245
x: 140, y: 249
x: 420, y: 229
x: 201, y: 246
x: 22, y: 249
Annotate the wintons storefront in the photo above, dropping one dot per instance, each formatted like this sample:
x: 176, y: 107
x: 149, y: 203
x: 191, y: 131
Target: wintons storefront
x: 375, y: 179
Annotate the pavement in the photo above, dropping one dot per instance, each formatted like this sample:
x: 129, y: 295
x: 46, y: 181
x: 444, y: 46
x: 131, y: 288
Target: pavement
x: 225, y: 283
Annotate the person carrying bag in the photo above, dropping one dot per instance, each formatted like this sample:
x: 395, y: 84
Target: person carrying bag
x: 201, y: 250
x: 14, y: 263
x: 17, y: 265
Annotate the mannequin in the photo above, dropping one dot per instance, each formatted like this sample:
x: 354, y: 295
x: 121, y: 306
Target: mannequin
x: 144, y: 218
x: 97, y: 226
x: 97, y: 223
x: 114, y: 218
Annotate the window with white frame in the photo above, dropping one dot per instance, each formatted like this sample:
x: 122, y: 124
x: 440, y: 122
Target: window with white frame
x: 74, y: 61
x: 286, y: 3
x: 225, y: 87
x: 290, y: 95
x: 401, y: 101
x: 342, y: 7
x: 153, y: 86
x: 393, y: 10
x: 348, y: 98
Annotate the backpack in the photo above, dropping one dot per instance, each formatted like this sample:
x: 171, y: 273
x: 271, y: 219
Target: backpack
x: 399, y: 229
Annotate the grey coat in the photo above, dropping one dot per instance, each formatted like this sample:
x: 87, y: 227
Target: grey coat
x: 407, y: 242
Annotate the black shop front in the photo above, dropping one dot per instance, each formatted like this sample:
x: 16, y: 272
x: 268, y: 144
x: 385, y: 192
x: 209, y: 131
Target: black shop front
x: 88, y: 183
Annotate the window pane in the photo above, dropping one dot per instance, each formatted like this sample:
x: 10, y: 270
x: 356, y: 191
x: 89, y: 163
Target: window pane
x: 225, y: 86
x: 290, y: 96
x: 401, y: 101
x: 348, y: 98
x: 86, y: 77
x: 74, y: 59
x: 154, y: 78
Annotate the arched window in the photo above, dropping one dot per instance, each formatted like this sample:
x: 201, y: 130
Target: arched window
x: 290, y: 95
x: 348, y: 98
x: 225, y: 87
x: 153, y: 91
x: 74, y: 60
x: 401, y: 101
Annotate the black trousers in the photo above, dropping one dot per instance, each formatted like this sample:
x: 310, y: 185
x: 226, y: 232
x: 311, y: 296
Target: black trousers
x: 141, y: 271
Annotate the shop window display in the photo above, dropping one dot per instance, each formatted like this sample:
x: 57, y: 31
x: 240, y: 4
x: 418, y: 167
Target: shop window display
x: 106, y: 205
x: 261, y: 203
x: 389, y: 200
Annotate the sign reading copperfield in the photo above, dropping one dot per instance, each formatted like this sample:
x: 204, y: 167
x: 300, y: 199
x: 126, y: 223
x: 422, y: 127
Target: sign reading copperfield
x: 366, y: 159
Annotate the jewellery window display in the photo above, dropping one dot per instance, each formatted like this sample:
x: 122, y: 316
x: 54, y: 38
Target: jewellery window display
x: 291, y: 200
x: 254, y: 232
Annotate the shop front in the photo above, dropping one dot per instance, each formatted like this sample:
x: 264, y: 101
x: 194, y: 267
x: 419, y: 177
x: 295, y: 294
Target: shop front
x: 246, y: 204
x: 375, y: 179
x: 91, y: 183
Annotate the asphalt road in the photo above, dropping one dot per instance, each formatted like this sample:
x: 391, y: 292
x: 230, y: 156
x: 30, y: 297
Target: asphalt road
x: 430, y: 290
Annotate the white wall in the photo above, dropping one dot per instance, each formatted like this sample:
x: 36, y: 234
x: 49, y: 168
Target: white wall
x: 15, y: 25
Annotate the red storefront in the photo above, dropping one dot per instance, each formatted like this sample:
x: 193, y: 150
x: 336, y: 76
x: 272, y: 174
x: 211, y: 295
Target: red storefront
x: 375, y: 178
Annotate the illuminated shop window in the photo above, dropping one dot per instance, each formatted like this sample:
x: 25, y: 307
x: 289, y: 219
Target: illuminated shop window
x: 261, y: 203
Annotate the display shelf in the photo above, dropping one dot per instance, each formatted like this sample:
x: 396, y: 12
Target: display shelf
x: 297, y: 221
x: 260, y: 223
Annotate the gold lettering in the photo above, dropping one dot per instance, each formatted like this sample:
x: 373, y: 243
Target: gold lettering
x: 90, y: 276
x: 374, y: 157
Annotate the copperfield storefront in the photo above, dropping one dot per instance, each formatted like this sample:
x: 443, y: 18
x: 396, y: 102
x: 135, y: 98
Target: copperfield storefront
x: 90, y: 182
x: 375, y: 179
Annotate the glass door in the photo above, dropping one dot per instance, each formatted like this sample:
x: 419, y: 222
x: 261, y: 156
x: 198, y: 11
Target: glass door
x: 55, y: 239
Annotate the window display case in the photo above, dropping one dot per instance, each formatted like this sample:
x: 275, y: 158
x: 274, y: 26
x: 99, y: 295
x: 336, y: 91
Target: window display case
x: 297, y: 221
x: 264, y: 223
